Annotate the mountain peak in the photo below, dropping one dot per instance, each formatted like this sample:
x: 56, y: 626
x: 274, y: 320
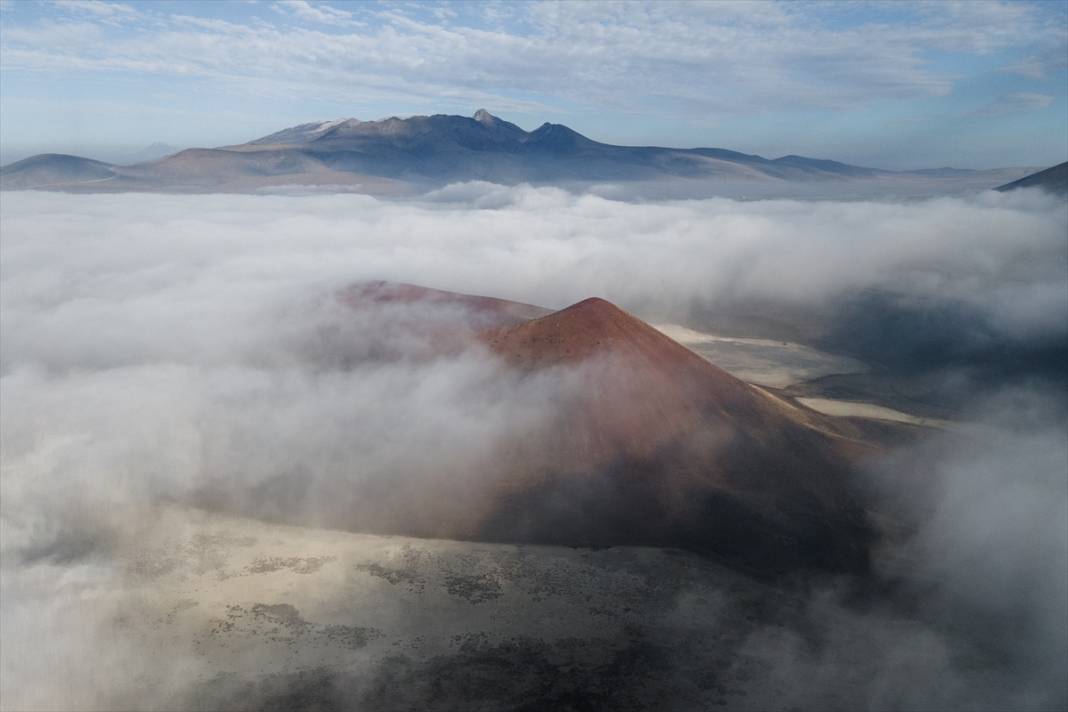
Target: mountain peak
x: 674, y: 447
x: 305, y: 133
x: 594, y: 311
x: 559, y: 139
x: 485, y: 118
x: 588, y: 328
x: 595, y: 304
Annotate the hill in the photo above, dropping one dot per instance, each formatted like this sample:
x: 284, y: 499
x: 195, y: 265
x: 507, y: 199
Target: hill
x: 655, y: 445
x: 53, y: 169
x: 1053, y: 180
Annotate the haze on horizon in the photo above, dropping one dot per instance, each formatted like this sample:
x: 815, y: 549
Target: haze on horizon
x: 888, y: 85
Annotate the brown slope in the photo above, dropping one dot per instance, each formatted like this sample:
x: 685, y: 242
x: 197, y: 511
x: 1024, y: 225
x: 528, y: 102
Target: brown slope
x: 473, y: 311
x: 641, y: 387
x: 655, y: 445
x: 238, y: 169
x: 408, y: 321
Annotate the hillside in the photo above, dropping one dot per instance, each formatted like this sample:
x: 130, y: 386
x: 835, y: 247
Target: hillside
x: 53, y: 169
x: 1053, y: 180
x: 655, y: 445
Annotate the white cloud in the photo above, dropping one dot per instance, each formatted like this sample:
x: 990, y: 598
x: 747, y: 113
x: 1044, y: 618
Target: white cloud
x: 145, y: 333
x: 318, y: 12
x: 104, y: 11
x: 1014, y: 103
x: 1043, y: 65
x: 77, y: 268
x: 721, y: 57
x: 155, y: 345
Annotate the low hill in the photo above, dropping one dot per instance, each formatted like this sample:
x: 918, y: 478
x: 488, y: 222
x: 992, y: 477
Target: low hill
x: 53, y: 169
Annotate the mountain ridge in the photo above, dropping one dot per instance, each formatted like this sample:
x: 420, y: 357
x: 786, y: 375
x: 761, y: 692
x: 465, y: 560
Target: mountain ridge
x: 418, y: 152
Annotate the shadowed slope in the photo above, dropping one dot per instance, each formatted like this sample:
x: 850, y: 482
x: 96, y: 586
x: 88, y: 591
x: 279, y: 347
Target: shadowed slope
x: 1053, y: 180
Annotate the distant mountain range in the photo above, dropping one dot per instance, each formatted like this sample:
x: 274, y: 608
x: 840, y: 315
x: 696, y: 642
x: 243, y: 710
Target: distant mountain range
x: 404, y: 155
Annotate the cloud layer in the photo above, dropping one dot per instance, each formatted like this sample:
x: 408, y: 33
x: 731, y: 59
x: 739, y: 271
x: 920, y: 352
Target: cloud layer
x: 111, y: 280
x: 171, y: 334
x: 155, y: 347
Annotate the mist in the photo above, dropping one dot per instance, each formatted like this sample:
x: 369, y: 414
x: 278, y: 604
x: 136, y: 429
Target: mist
x: 162, y: 349
x: 139, y: 266
x: 979, y: 615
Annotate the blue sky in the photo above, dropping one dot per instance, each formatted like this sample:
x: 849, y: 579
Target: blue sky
x: 888, y: 84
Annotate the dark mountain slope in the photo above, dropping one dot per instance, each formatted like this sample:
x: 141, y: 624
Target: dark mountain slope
x: 1053, y: 180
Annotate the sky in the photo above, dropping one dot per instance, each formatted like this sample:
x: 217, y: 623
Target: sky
x: 886, y: 84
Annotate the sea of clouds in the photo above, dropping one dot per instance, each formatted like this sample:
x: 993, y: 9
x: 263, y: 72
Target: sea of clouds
x: 156, y: 346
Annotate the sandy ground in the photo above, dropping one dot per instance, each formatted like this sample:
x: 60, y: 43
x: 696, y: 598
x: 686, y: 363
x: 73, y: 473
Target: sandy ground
x: 792, y: 366
x: 842, y: 408
x: 199, y: 611
x: 762, y: 361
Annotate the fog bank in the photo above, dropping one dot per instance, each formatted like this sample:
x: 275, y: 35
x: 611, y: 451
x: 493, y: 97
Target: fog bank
x: 159, y: 349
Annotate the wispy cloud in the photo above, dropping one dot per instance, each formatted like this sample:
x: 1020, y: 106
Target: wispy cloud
x: 1040, y: 66
x: 104, y: 11
x: 318, y: 12
x: 1014, y: 103
x: 720, y: 57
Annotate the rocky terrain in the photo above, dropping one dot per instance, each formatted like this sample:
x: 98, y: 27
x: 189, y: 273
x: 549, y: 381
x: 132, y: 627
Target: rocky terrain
x: 209, y: 613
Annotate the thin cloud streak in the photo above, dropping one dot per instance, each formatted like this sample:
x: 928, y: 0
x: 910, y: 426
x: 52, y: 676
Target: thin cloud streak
x: 698, y: 55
